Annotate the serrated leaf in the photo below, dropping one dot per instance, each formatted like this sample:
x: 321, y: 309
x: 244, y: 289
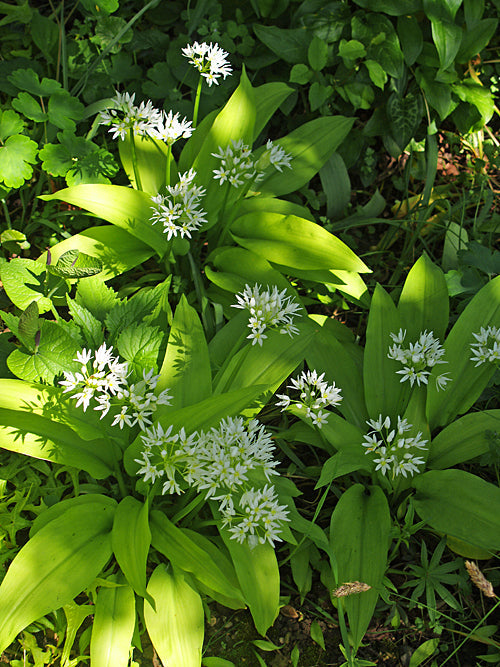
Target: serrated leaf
x: 76, y: 264
x: 16, y: 157
x: 27, y: 105
x: 11, y: 123
x: 28, y: 325
x: 54, y: 354
x: 93, y: 294
x: 27, y: 79
x: 91, y: 328
x: 139, y: 345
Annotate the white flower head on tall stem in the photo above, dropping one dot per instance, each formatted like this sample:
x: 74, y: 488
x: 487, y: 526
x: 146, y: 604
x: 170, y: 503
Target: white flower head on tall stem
x: 268, y: 308
x: 125, y: 117
x: 236, y: 165
x: 314, y: 395
x: 180, y: 211
x: 486, y: 348
x: 209, y: 59
x: 391, y: 450
x: 419, y: 358
x: 169, y: 128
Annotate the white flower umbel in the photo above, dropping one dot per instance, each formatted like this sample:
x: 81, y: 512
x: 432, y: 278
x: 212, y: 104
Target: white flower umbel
x: 268, y: 309
x: 391, y: 450
x: 274, y: 155
x: 125, y: 116
x: 103, y: 379
x: 179, y: 211
x: 220, y: 463
x: 315, y: 394
x: 487, y: 346
x: 236, y: 165
x: 418, y: 358
x: 169, y: 128
x: 209, y: 59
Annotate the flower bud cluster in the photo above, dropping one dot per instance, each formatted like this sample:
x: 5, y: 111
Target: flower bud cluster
x: 209, y: 59
x: 487, y: 346
x: 103, y: 379
x: 143, y: 120
x: 393, y: 450
x: 180, y: 212
x: 315, y: 394
x: 418, y: 357
x: 221, y: 463
x: 268, y: 309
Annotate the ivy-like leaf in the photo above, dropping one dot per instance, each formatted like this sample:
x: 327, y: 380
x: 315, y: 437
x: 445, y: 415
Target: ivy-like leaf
x: 16, y: 157
x: 27, y: 79
x: 27, y: 105
x: 11, y: 123
x: 64, y: 110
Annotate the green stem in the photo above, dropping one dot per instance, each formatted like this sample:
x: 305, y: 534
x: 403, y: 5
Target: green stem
x: 120, y: 480
x: 6, y: 213
x: 344, y: 633
x: 168, y: 166
x: 137, y: 177
x: 197, y: 102
x: 225, y: 226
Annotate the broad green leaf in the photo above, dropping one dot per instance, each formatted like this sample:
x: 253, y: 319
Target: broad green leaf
x: 184, y: 553
x: 97, y: 500
x: 437, y: 95
x: 343, y: 435
x: 290, y: 45
x: 317, y: 53
x: 424, y: 652
x: 476, y: 38
x: 139, y: 344
x: 11, y: 124
x: 342, y: 463
x: 176, y: 627
x: 16, y: 157
x: 41, y: 438
x: 341, y: 363
x: 27, y: 79
x: 294, y: 242
x: 127, y: 208
x: 130, y: 540
x: 65, y: 110
x: 463, y: 439
x: 113, y: 627
x: 477, y: 95
x: 23, y: 280
x: 118, y: 250
x: 441, y: 10
x: 268, y: 365
x: 459, y: 504
x: 259, y: 577
x: 359, y: 540
x: 29, y: 107
x: 310, y: 146
x: 377, y: 33
x: 28, y: 326
x: 53, y: 355
x: 76, y: 264
x: 195, y: 141
x: 404, y: 114
x: 423, y: 304
x: 336, y: 185
x: 151, y: 162
x: 391, y: 7
x: 75, y: 548
x: 447, y: 38
x: 377, y: 73
x: 94, y: 295
x: 467, y: 381
x: 186, y: 366
x: 384, y: 393
x: 410, y: 38
x: 268, y: 98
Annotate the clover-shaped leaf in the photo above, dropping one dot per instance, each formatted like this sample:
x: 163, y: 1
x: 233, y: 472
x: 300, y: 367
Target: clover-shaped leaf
x: 16, y: 157
x: 64, y: 110
x: 10, y: 123
x: 27, y: 105
x: 27, y: 79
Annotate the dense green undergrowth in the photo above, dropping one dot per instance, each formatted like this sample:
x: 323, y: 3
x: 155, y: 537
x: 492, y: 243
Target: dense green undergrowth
x: 249, y: 376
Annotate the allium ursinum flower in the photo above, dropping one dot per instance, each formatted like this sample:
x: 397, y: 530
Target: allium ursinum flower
x: 219, y: 463
x: 420, y: 356
x: 179, y: 211
x: 259, y: 517
x: 268, y: 309
x: 275, y: 155
x: 236, y: 165
x: 391, y: 450
x: 125, y: 116
x: 105, y: 381
x: 315, y: 394
x: 169, y: 128
x: 209, y: 59
x: 487, y: 347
